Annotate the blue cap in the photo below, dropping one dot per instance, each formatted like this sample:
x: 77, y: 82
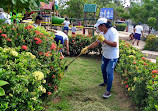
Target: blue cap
x: 139, y: 23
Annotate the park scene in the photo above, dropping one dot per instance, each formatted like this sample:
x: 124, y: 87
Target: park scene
x: 78, y: 55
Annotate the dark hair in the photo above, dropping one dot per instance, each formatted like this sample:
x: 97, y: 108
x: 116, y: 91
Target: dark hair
x: 66, y: 18
x: 39, y: 18
x: 108, y: 24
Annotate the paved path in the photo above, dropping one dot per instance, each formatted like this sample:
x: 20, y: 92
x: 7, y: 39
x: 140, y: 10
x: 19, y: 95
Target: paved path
x: 151, y: 55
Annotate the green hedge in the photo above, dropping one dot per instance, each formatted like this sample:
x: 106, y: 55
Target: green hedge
x: 36, y: 43
x: 121, y: 27
x: 151, y: 43
x: 139, y: 76
x: 78, y: 42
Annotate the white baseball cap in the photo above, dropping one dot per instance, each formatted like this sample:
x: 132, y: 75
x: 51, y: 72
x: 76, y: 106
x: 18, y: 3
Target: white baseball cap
x: 100, y: 21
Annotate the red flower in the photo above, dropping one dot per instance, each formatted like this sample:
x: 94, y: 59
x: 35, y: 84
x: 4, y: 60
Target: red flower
x: 41, y: 33
x: 40, y: 53
x: 125, y: 82
x: 126, y: 77
x: 145, y: 64
x: 61, y: 57
x: 74, y: 42
x: 53, y: 46
x: 55, y: 87
x: 8, y: 39
x: 24, y: 47
x: 154, y: 71
x: 53, y: 76
x: 59, y: 79
x: 39, y: 41
x: 52, y: 67
x: 49, y: 84
x: 30, y: 27
x: 143, y: 57
x: 0, y: 31
x: 49, y: 93
x: 27, y: 28
x: 134, y: 62
x: 46, y: 54
x: 4, y: 35
x: 127, y: 86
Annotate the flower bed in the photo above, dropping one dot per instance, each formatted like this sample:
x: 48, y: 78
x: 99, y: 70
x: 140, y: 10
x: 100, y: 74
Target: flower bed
x: 78, y: 41
x: 151, y: 43
x: 33, y: 43
x: 139, y: 76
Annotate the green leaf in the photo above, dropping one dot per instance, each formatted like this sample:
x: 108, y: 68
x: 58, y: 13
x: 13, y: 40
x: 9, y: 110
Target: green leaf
x: 2, y: 92
x: 2, y: 83
x: 14, y: 2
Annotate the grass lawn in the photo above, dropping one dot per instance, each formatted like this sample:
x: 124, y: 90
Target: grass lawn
x: 82, y: 93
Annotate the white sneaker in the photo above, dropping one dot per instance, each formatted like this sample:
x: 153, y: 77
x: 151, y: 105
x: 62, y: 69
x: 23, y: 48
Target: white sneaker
x: 106, y: 95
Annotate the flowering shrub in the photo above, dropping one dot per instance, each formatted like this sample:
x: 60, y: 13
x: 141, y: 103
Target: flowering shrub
x: 37, y: 43
x: 139, y: 76
x: 151, y: 43
x: 78, y: 41
x: 24, y: 90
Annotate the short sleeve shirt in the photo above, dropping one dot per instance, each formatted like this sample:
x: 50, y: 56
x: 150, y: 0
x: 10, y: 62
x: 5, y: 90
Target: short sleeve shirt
x: 60, y: 33
x: 67, y: 23
x: 139, y: 29
x: 108, y: 51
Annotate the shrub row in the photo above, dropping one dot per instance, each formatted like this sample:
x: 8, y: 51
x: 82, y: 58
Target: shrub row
x: 139, y: 76
x: 151, y: 43
x: 37, y: 66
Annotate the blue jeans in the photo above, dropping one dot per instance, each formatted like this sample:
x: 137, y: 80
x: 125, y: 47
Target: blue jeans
x: 107, y: 67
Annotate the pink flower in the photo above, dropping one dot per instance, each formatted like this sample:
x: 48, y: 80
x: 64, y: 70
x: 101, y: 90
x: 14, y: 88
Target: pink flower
x: 4, y: 35
x: 8, y: 39
x: 24, y: 47
x: 0, y: 31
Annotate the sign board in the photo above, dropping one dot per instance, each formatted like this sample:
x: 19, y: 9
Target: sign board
x: 106, y: 13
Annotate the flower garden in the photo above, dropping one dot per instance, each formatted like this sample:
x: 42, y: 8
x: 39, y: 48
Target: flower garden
x: 31, y: 68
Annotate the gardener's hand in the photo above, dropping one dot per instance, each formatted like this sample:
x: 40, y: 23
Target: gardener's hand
x: 84, y: 50
x: 101, y: 38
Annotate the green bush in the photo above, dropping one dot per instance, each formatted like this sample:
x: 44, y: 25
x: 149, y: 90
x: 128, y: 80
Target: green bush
x: 151, y: 43
x: 121, y: 27
x: 78, y: 42
x: 25, y: 88
x: 139, y: 76
x: 41, y: 44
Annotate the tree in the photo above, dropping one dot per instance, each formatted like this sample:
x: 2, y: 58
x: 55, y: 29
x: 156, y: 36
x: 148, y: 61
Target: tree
x: 20, y: 5
x: 141, y: 13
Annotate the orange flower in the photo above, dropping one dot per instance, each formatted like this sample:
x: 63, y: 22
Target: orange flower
x: 46, y: 54
x: 53, y: 76
x: 154, y: 71
x: 61, y: 57
x: 49, y: 93
x: 143, y: 57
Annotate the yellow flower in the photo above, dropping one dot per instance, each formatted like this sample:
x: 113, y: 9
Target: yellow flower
x: 6, y: 49
x: 38, y: 75
x: 31, y: 55
x: 134, y: 79
x: 14, y: 53
x: 34, y: 98
x: 10, y: 95
x: 33, y: 93
x: 129, y: 89
x: 44, y: 81
x: 41, y: 88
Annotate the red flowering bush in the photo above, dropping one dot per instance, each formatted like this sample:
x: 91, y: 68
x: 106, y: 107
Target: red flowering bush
x: 41, y: 44
x: 78, y: 42
x: 151, y: 43
x: 139, y: 76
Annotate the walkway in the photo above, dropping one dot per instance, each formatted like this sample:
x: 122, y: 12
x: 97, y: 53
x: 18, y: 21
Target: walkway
x: 151, y: 55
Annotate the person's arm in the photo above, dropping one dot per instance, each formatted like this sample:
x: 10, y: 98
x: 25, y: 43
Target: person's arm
x: 67, y: 46
x: 111, y: 43
x: 134, y: 30
x: 142, y: 33
x: 52, y: 30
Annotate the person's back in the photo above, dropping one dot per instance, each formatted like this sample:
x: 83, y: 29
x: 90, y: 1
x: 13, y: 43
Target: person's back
x: 73, y: 29
x: 138, y: 29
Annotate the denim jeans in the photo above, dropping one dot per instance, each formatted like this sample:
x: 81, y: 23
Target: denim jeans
x: 107, y: 67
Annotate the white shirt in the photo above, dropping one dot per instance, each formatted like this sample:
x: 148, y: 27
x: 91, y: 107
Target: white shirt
x: 56, y: 2
x: 108, y: 51
x: 60, y: 33
x: 73, y: 29
x: 5, y: 16
x: 67, y: 23
x: 138, y: 28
